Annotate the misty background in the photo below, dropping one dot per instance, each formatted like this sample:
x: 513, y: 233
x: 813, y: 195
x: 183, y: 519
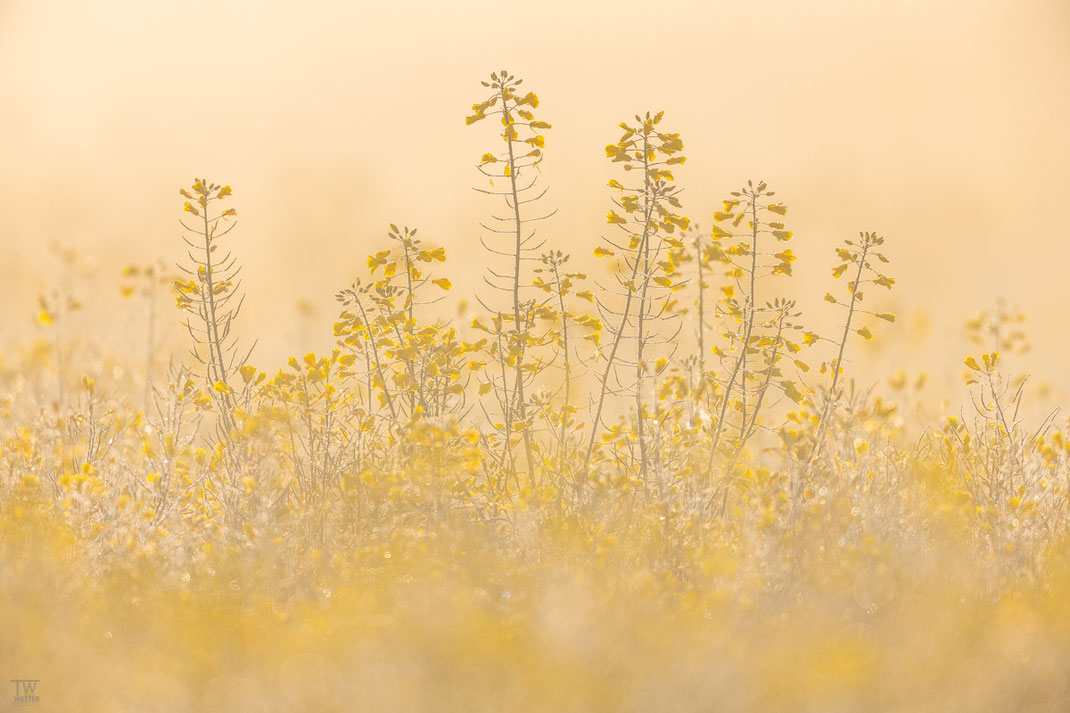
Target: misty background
x: 941, y: 125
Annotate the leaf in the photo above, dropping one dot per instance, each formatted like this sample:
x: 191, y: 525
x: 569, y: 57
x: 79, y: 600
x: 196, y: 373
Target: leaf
x: 443, y: 283
x: 864, y: 333
x: 602, y: 252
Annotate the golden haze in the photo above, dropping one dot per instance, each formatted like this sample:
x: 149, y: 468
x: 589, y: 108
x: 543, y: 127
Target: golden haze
x: 940, y: 125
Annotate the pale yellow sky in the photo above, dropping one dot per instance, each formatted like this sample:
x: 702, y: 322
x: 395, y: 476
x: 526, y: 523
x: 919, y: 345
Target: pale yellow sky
x: 941, y: 124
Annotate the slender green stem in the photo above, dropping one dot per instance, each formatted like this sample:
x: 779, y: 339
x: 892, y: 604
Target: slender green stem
x: 517, y: 249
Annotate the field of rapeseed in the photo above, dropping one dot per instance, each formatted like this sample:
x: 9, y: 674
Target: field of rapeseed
x: 654, y: 488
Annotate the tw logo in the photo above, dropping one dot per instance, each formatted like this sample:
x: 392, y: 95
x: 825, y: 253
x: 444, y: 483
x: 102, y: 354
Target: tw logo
x: 26, y: 691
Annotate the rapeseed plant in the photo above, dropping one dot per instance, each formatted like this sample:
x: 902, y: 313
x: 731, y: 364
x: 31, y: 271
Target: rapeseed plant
x: 644, y: 264
x: 518, y: 167
x: 211, y: 294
